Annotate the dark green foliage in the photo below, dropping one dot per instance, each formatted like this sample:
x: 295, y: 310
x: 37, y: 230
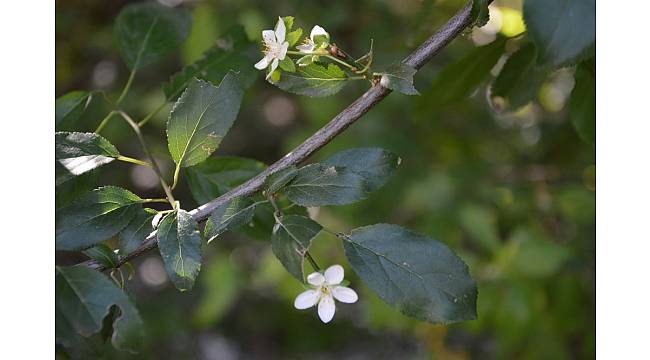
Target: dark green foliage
x: 292, y: 236
x: 179, y: 242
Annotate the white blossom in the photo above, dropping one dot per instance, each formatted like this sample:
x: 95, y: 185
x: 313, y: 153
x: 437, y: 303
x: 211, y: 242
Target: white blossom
x: 275, y: 47
x: 326, y: 288
x: 318, y: 35
x: 156, y: 220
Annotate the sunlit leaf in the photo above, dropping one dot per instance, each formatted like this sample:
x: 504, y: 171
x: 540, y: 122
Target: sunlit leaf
x: 313, y: 80
x: 77, y: 153
x: 201, y: 119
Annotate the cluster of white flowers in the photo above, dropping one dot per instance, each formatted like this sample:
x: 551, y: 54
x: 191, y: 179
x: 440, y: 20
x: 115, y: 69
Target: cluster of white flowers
x: 326, y: 288
x: 276, y: 47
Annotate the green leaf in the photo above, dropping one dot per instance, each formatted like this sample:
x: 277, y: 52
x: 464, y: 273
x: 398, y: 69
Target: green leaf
x: 75, y: 188
x: 232, y: 51
x: 135, y: 232
x: 179, y: 242
x: 95, y: 217
x: 288, y: 22
x: 563, y: 30
x: 374, y: 165
x: 84, y: 297
x: 583, y: 101
x: 319, y: 184
x: 399, y: 77
x: 215, y: 176
x: 287, y: 65
x: 103, y: 254
x: 294, y: 36
x: 77, y: 153
x: 235, y: 213
x: 519, y: 80
x: 291, y: 240
x: 146, y: 33
x: 459, y: 79
x: 69, y: 107
x: 279, y: 179
x: 480, y: 12
x: 419, y: 276
x: 201, y: 118
x: 313, y: 80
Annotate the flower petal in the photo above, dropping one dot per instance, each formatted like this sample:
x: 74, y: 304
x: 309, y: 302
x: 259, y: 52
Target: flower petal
x: 307, y: 47
x: 317, y: 30
x: 283, y: 50
x: 262, y: 64
x: 306, y: 299
x: 326, y: 308
x: 334, y: 274
x: 345, y: 294
x: 274, y: 65
x: 280, y: 30
x: 316, y: 279
x: 268, y: 36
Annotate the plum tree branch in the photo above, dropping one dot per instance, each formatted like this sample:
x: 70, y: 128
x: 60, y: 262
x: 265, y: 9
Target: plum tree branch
x: 425, y: 52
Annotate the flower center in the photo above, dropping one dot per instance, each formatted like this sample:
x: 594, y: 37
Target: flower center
x: 325, y: 290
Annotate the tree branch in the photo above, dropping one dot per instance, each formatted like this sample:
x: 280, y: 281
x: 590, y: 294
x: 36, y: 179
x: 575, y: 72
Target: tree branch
x: 322, y: 137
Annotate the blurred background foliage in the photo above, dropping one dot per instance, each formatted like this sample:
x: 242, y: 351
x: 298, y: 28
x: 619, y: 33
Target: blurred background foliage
x: 512, y: 192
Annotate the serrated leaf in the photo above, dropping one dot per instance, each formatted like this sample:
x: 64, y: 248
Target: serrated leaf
x: 459, y: 79
x: 313, y: 80
x: 480, y: 12
x: 291, y: 240
x: 519, y: 80
x: 232, y: 51
x: 146, y: 33
x: 77, y: 153
x: 135, y: 232
x: 276, y: 181
x: 69, y: 108
x: 235, y: 213
x: 419, y: 276
x: 103, y: 254
x: 84, y: 297
x: 201, y: 118
x: 95, y: 217
x: 319, y: 185
x: 75, y: 188
x: 399, y: 77
x: 583, y: 101
x: 179, y: 242
x: 563, y: 30
x: 374, y: 165
x: 215, y: 176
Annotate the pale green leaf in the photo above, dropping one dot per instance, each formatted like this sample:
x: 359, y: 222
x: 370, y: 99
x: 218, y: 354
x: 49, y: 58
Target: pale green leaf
x: 313, y: 80
x: 419, y: 276
x: 77, y: 153
x: 201, y: 119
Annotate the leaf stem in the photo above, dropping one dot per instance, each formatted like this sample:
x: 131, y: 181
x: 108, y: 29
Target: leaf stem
x: 158, y: 200
x: 126, y: 88
x: 312, y: 262
x: 177, y: 172
x: 156, y: 169
x: 134, y: 161
x: 152, y: 114
x: 104, y: 121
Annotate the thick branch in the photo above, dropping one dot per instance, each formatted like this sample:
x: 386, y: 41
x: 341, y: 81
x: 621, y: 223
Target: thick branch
x: 322, y: 137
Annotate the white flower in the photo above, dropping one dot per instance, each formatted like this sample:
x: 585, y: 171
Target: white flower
x: 326, y: 289
x: 275, y: 47
x: 156, y: 220
x: 318, y: 35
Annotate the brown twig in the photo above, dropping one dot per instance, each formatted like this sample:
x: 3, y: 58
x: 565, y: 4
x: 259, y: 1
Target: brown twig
x: 322, y: 137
